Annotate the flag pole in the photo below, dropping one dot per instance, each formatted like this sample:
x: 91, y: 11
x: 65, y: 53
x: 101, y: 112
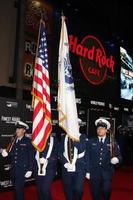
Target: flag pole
x: 67, y: 108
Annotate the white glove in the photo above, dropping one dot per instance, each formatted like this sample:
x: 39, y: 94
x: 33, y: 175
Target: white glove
x: 28, y: 174
x: 87, y: 176
x: 4, y: 153
x: 70, y: 167
x: 114, y: 160
x: 43, y: 161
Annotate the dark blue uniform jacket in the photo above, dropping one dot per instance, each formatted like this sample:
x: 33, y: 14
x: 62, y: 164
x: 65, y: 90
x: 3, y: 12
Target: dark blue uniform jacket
x: 98, y: 158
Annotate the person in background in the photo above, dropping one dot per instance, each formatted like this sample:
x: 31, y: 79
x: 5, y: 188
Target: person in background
x: 21, y: 152
x: 73, y: 165
x: 100, y: 161
x: 46, y: 167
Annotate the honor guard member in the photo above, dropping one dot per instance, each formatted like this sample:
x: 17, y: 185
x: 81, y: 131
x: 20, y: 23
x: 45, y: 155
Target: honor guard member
x: 72, y: 159
x: 22, y: 158
x: 46, y: 167
x: 100, y: 163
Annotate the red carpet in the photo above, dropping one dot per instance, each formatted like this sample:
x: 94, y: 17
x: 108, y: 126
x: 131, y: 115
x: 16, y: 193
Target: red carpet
x: 122, y: 188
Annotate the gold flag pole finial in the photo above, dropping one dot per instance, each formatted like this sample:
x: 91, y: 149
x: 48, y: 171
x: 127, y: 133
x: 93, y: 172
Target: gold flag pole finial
x: 62, y: 15
x: 41, y: 15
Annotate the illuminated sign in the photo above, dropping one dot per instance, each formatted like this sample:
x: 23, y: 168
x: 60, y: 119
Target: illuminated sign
x: 35, y: 10
x: 92, y: 57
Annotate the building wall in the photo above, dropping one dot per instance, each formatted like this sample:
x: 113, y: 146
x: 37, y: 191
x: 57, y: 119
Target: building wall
x: 7, y: 40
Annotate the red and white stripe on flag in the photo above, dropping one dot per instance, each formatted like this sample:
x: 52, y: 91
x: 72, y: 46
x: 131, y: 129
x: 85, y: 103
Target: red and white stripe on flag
x: 42, y: 125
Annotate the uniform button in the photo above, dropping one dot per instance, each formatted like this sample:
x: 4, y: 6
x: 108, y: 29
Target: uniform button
x: 16, y: 149
x: 101, y: 153
x: 101, y: 149
x: 15, y: 161
x: 100, y: 158
x: 100, y: 163
x: 15, y: 157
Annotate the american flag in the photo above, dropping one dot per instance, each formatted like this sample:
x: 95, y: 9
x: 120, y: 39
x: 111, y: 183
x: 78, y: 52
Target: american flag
x: 42, y: 125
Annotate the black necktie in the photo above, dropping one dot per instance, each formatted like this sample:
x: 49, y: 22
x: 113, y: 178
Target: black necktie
x: 17, y: 140
x: 101, y: 141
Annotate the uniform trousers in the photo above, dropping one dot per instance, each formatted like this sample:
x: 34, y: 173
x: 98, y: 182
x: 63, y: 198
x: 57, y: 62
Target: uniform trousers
x: 101, y: 187
x: 73, y: 183
x: 44, y: 184
x: 18, y: 180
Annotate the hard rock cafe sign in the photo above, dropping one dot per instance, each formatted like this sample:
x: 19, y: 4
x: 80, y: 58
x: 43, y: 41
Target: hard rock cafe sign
x: 92, y: 58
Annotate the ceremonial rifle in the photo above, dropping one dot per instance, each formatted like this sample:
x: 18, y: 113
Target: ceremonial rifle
x: 11, y: 143
x: 112, y: 137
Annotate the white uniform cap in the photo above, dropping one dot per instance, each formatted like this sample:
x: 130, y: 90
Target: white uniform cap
x: 20, y: 124
x: 103, y: 123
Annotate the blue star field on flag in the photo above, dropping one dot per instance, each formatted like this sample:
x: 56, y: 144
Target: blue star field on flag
x: 42, y: 50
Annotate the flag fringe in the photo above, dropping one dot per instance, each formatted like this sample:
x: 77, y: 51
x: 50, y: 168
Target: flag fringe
x: 63, y: 118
